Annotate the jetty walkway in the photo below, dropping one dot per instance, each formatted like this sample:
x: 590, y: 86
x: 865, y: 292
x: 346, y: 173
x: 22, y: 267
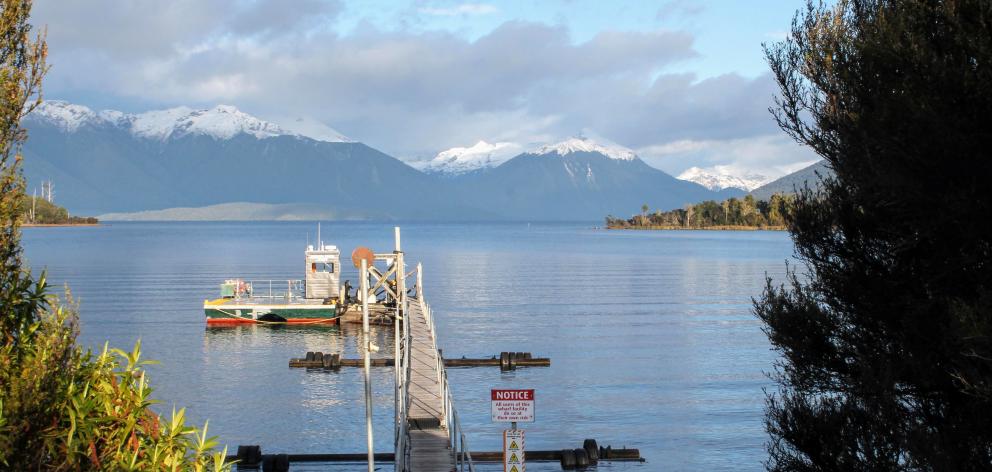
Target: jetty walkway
x: 430, y: 442
x: 428, y: 435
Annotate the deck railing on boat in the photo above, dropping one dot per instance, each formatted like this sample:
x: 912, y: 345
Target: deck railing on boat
x: 274, y: 289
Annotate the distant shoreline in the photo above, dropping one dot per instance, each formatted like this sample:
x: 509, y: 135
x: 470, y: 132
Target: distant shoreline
x: 56, y: 225
x: 705, y: 228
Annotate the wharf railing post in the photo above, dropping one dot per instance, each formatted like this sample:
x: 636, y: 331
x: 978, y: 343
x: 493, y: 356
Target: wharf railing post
x: 400, y: 315
x: 364, y: 282
x: 420, y: 281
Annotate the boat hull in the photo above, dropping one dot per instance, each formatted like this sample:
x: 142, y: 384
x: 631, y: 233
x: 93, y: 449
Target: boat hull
x: 225, y: 312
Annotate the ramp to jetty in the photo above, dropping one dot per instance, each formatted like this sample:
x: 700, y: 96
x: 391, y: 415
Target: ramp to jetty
x: 428, y: 435
x: 430, y: 447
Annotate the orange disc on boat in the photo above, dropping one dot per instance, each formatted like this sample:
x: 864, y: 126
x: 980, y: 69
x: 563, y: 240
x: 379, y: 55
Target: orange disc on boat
x: 362, y: 253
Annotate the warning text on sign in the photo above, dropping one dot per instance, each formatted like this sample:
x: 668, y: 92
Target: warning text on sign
x: 513, y: 405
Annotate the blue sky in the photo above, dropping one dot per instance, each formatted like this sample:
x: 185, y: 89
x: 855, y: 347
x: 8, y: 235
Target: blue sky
x: 728, y: 34
x: 681, y: 82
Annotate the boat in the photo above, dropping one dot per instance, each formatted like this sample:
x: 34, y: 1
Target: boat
x: 317, y: 298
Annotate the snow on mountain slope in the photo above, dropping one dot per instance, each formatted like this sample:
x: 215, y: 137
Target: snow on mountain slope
x: 585, y: 144
x: 66, y: 116
x: 721, y: 177
x: 314, y: 129
x: 220, y: 122
x: 460, y: 160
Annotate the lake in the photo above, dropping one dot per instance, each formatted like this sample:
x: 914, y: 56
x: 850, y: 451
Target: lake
x: 651, y: 335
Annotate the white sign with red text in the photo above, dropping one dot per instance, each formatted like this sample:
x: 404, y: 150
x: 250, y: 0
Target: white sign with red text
x: 513, y: 405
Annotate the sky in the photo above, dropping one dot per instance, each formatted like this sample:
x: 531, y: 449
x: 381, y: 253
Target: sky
x: 682, y: 82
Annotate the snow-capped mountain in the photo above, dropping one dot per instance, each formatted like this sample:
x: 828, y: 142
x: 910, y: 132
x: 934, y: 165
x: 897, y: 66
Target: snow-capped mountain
x: 233, y: 164
x: 577, y: 179
x: 462, y: 160
x: 220, y: 122
x: 721, y: 177
x: 586, y: 144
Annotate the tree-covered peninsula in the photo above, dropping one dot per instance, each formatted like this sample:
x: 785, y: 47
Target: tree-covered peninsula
x: 731, y: 214
x: 39, y: 211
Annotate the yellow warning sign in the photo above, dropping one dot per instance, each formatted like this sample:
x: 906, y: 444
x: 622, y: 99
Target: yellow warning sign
x: 513, y: 451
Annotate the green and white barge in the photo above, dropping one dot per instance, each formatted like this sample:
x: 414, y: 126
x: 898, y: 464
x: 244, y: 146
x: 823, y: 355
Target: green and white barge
x: 315, y: 299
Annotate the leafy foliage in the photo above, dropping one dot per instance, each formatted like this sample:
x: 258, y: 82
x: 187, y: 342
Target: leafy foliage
x: 62, y: 408
x: 886, y: 342
x: 731, y: 213
x: 41, y: 211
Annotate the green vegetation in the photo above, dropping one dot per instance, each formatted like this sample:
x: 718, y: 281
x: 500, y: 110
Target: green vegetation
x: 733, y: 213
x: 39, y: 211
x: 886, y: 337
x: 63, y: 408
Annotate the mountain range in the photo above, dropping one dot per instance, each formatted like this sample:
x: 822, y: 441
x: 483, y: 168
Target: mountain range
x: 221, y: 163
x: 808, y: 176
x: 721, y: 177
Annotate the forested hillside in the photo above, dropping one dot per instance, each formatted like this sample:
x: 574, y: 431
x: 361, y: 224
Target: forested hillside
x: 38, y: 211
x: 732, y: 213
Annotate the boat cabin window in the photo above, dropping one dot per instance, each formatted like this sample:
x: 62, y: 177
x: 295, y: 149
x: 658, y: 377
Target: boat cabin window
x: 322, y: 267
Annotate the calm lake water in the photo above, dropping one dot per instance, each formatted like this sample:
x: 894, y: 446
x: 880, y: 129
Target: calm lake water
x: 651, y: 336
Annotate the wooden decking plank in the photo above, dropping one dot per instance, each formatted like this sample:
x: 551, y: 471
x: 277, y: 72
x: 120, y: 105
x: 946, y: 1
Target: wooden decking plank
x: 430, y: 450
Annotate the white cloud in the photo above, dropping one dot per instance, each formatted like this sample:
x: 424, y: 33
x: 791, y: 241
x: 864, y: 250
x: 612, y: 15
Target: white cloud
x: 466, y: 9
x: 413, y: 94
x: 772, y: 155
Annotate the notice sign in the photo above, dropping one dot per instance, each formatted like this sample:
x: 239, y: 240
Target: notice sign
x: 513, y: 450
x: 513, y: 406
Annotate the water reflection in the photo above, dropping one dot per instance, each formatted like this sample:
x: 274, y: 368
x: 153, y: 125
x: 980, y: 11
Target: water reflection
x: 650, y: 333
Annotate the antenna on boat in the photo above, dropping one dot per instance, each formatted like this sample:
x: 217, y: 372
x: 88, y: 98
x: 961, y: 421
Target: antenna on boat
x: 320, y: 244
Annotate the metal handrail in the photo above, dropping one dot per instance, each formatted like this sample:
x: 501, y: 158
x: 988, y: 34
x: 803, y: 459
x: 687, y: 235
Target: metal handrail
x: 402, y: 446
x: 456, y: 434
x: 449, y: 417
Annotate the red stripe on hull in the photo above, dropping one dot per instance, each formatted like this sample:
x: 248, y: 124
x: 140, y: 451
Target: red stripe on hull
x: 233, y: 321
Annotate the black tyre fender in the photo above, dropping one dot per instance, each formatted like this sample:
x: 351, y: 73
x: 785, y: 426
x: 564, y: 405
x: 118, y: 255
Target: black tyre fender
x: 249, y: 456
x: 592, y: 450
x: 581, y: 459
x: 309, y: 356
x: 512, y: 356
x: 318, y: 357
x: 504, y: 360
x: 567, y: 459
x: 282, y: 463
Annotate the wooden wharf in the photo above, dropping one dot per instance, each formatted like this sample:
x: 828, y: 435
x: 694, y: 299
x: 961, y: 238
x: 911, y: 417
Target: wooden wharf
x: 427, y: 434
x: 429, y: 438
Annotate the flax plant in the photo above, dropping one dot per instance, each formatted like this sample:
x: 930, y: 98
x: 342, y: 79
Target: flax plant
x: 63, y: 408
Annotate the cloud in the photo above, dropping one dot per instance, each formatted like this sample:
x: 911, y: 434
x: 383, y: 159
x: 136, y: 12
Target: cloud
x: 679, y: 8
x: 466, y: 9
x: 410, y: 94
x: 771, y: 155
